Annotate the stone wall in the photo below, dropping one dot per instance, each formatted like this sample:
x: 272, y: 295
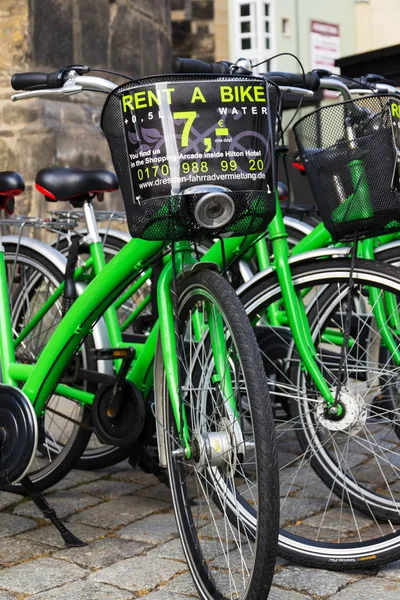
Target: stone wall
x: 200, y: 29
x: 129, y: 36
x: 193, y: 29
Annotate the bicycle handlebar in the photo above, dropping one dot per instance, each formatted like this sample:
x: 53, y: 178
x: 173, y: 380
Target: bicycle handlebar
x: 351, y: 84
x: 69, y: 83
x: 72, y: 79
x: 310, y: 81
x: 42, y: 81
x: 372, y: 78
x: 192, y: 65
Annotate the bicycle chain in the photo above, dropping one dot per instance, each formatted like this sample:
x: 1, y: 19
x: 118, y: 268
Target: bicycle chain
x: 71, y: 419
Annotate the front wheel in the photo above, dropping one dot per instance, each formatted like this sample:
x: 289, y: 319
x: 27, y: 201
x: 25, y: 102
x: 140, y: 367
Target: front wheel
x: 339, y: 478
x: 226, y: 496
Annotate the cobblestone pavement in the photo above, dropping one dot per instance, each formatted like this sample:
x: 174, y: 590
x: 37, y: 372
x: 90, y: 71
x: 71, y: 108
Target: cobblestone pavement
x: 133, y: 551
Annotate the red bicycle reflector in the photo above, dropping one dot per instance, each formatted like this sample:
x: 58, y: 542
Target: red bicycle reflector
x: 299, y: 166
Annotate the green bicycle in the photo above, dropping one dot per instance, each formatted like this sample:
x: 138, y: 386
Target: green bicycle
x: 219, y: 433
x: 324, y: 527
x: 346, y: 350
x: 329, y: 331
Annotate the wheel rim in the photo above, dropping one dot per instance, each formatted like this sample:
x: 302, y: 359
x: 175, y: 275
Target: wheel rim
x: 318, y: 525
x: 29, y: 289
x: 219, y: 546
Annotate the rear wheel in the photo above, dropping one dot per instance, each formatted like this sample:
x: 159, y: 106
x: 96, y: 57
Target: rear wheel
x: 98, y: 455
x: 65, y: 428
x: 225, y: 497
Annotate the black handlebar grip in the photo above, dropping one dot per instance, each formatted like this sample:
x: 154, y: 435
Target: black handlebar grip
x: 374, y: 78
x: 192, y: 65
x: 309, y: 81
x: 35, y: 81
x: 23, y: 81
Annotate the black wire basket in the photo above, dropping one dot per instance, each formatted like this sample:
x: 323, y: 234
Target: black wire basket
x: 175, y: 139
x: 350, y: 152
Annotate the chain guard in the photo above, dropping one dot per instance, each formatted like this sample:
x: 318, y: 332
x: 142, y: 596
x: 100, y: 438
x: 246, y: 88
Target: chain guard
x: 126, y: 428
x: 19, y: 435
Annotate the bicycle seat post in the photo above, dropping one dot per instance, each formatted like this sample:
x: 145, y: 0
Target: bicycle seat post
x: 91, y: 223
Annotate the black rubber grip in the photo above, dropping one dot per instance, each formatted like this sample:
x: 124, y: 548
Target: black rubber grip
x: 375, y: 78
x: 23, y: 81
x: 192, y: 65
x: 36, y: 81
x: 310, y: 81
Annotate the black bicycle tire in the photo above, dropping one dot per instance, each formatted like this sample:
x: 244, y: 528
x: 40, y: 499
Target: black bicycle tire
x: 261, y: 579
x: 105, y: 456
x: 307, y: 552
x: 83, y: 433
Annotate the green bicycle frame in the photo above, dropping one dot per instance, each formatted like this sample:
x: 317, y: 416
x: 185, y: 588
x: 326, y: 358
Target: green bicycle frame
x: 293, y: 313
x: 41, y: 379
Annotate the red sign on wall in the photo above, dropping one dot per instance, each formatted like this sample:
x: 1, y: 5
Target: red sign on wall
x: 325, y: 45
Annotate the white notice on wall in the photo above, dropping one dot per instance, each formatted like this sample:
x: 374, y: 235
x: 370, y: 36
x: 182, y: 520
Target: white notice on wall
x: 325, y: 45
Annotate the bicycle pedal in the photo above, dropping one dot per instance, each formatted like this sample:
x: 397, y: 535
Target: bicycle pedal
x: 114, y: 353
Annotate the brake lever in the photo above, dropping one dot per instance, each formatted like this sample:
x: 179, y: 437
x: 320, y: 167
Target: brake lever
x: 64, y: 91
x: 290, y: 89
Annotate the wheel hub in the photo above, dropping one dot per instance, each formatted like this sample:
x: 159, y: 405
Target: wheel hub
x: 353, y: 417
x: 18, y: 435
x: 215, y: 449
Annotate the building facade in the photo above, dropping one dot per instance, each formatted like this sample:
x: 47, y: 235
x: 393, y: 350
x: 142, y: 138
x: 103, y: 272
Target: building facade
x: 377, y: 24
x: 193, y: 31
x: 316, y: 32
x: 200, y: 29
x: 128, y: 36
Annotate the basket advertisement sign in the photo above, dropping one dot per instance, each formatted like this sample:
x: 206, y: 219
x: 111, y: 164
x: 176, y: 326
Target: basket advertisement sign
x: 181, y: 134
x: 394, y: 107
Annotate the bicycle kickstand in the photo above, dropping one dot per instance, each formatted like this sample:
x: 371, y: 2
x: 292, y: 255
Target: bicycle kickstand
x: 48, y: 511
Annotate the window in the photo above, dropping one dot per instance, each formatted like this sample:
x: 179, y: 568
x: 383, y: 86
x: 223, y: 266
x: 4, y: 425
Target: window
x: 247, y: 26
x: 254, y: 32
x: 267, y: 12
x: 286, y: 27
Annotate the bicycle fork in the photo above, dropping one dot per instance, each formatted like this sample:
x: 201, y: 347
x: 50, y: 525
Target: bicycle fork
x: 210, y: 324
